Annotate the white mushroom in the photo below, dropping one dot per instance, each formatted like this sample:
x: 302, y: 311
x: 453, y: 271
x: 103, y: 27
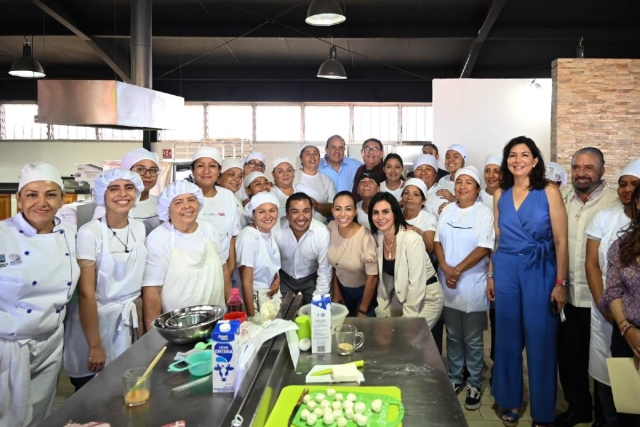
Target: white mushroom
x: 337, y: 413
x: 304, y: 414
x: 362, y: 420
x: 338, y: 397
x: 331, y: 392
x: 336, y: 405
x: 320, y: 397
x: 328, y: 419
x: 360, y: 408
x: 325, y: 404
x: 342, y: 422
x: 376, y: 405
x: 307, y: 398
x: 311, y: 419
x: 352, y: 397
x: 311, y: 405
x: 318, y: 412
x: 349, y: 413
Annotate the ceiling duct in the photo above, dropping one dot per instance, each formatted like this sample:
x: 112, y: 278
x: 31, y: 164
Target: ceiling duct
x: 110, y: 103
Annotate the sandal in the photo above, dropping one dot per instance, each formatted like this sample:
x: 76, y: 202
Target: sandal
x: 510, y: 419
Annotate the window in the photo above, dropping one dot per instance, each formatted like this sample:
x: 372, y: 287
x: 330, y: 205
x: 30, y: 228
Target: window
x: 63, y: 132
x: 19, y: 122
x: 380, y: 122
x: 108, y: 134
x: 230, y: 121
x: 321, y: 122
x: 417, y: 123
x: 278, y: 123
x: 191, y: 126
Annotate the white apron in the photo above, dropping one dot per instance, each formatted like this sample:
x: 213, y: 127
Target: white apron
x: 38, y: 273
x: 601, y: 329
x: 458, y: 240
x: 319, y: 194
x: 193, y: 278
x: 117, y: 287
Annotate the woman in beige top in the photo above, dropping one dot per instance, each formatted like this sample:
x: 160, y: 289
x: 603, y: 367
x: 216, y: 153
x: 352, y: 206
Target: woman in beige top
x: 352, y: 254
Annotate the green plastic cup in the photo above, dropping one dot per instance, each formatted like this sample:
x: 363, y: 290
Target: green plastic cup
x: 304, y: 327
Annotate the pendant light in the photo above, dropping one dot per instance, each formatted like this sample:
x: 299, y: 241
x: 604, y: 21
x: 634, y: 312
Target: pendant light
x: 26, y: 66
x: 332, y: 68
x: 324, y: 13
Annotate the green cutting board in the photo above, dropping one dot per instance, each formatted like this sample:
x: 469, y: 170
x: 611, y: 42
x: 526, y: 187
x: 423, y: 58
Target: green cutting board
x: 289, y: 397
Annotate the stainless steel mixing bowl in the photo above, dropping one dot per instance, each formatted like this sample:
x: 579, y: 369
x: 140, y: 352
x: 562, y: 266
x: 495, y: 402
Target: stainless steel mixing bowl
x: 189, y: 333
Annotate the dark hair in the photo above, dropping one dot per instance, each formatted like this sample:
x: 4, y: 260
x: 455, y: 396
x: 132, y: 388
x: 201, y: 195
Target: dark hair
x: 536, y: 177
x: 398, y: 217
x: 299, y: 196
x: 374, y: 140
x: 630, y: 239
x: 335, y: 137
x: 430, y: 144
x: 590, y: 150
x: 349, y: 194
x: 393, y: 156
x: 419, y: 190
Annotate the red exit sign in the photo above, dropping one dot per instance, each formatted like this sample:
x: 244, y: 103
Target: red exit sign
x: 167, y: 153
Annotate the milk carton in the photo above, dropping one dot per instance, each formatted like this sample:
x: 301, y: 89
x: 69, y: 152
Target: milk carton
x: 321, y: 324
x: 225, y: 349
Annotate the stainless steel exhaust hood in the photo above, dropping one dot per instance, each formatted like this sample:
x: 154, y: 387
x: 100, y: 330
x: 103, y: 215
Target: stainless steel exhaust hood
x: 106, y: 103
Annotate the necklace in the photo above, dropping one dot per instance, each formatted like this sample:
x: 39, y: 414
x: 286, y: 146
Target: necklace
x: 126, y: 246
x: 390, y: 246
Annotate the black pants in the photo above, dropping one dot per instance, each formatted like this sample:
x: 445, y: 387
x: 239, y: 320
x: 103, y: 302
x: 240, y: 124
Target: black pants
x: 573, y: 360
x: 80, y: 382
x: 620, y: 348
x: 306, y: 285
x: 437, y: 332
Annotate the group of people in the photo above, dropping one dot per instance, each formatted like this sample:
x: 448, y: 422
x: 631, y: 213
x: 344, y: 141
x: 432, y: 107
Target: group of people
x: 445, y: 245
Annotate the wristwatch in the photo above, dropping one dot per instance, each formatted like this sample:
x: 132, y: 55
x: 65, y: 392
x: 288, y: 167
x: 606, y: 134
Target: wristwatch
x: 561, y: 282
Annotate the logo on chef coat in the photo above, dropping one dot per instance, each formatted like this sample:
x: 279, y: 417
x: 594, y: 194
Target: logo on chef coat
x: 14, y: 259
x: 2, y: 258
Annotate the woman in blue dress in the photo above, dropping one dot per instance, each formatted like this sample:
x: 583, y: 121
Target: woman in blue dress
x: 527, y: 281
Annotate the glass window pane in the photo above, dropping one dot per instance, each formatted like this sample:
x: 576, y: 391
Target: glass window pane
x: 321, y: 122
x: 63, y: 132
x: 417, y: 123
x: 191, y: 126
x: 108, y: 134
x: 278, y: 123
x: 375, y: 122
x: 19, y: 122
x: 230, y: 121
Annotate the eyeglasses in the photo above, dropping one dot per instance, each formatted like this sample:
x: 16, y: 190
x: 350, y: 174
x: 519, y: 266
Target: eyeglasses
x: 371, y: 149
x: 141, y: 170
x: 257, y: 165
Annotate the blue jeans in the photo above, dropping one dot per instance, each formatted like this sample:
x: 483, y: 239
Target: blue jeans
x: 352, y: 299
x: 465, y: 344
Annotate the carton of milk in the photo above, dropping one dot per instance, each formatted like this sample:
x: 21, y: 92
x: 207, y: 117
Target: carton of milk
x: 225, y: 347
x: 321, y: 324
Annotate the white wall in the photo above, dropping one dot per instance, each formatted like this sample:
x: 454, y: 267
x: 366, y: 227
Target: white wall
x: 484, y: 114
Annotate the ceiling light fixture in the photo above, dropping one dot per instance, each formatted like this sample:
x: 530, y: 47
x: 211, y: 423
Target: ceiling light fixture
x: 26, y: 66
x: 324, y: 13
x: 332, y: 68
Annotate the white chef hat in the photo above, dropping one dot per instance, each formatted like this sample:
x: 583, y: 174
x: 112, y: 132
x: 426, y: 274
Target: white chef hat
x: 460, y: 149
x: 555, y: 173
x: 493, y: 159
x: 632, y: 169
x: 230, y: 163
x: 418, y: 183
x: 39, y: 172
x: 173, y: 190
x: 260, y: 199
x: 207, y: 151
x: 255, y: 155
x: 471, y: 171
x: 425, y: 159
x: 105, y: 179
x: 279, y: 160
x: 251, y: 177
x: 137, y: 154
x: 305, y: 145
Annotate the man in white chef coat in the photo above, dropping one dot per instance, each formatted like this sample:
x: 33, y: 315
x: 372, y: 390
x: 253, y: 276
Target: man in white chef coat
x: 304, y: 243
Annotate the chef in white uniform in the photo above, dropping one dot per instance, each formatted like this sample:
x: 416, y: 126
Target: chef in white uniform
x: 316, y: 185
x: 38, y: 274
x: 555, y: 173
x: 422, y: 222
x: 220, y: 208
x: 454, y: 159
x: 111, y: 254
x: 183, y: 266
x: 425, y: 167
x: 147, y: 165
x: 491, y: 178
x: 283, y: 173
x: 231, y: 176
x: 601, y: 233
x: 368, y: 186
x: 258, y: 256
x: 255, y: 161
x: 254, y: 183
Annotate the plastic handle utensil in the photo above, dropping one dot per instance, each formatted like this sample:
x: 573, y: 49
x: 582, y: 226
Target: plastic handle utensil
x: 202, y: 345
x: 358, y: 363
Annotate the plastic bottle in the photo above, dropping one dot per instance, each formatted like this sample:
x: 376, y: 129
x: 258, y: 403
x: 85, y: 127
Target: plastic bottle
x: 235, y: 302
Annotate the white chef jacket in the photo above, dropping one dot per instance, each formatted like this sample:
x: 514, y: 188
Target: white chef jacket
x: 397, y: 193
x: 222, y: 211
x: 580, y: 215
x: 282, y: 198
x: 318, y: 186
x: 301, y: 258
x: 433, y: 203
x: 159, y: 247
x: 363, y: 217
x: 486, y: 198
x: 259, y: 251
x: 424, y: 221
x: 446, y: 183
x: 144, y: 210
x: 477, y: 215
x: 89, y: 240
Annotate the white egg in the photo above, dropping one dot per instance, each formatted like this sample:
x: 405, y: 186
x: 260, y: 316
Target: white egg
x: 328, y: 419
x: 307, y: 398
x: 336, y: 405
x: 311, y: 419
x: 352, y: 397
x: 349, y: 413
x: 360, y: 408
x: 342, y: 422
x: 318, y: 412
x: 304, y: 344
x: 325, y: 404
x: 362, y: 420
x: 376, y: 405
x: 347, y: 404
x: 331, y: 392
x: 320, y: 397
x: 311, y: 405
x: 337, y: 413
x: 338, y: 397
x: 304, y: 414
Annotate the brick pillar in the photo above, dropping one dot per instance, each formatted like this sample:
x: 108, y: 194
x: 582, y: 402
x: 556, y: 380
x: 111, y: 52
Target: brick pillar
x: 596, y: 102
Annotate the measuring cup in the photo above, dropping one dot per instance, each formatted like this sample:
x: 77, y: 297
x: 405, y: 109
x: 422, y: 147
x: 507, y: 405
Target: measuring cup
x: 199, y: 364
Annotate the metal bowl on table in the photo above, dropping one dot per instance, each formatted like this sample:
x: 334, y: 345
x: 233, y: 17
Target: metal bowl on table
x: 190, y: 324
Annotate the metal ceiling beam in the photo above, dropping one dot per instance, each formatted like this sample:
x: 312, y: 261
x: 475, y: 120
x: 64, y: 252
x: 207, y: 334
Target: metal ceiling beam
x: 476, y: 47
x: 117, y: 62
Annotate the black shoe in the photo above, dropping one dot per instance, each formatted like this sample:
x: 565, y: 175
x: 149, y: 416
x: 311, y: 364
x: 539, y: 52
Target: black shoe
x: 570, y: 419
x: 474, y: 398
x: 456, y: 387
